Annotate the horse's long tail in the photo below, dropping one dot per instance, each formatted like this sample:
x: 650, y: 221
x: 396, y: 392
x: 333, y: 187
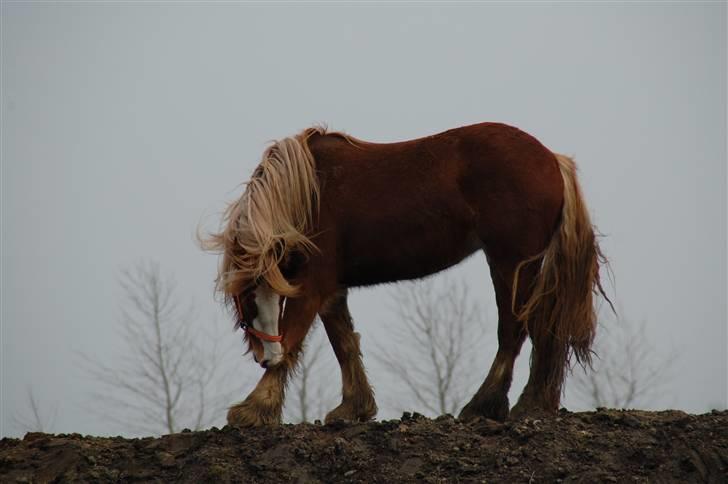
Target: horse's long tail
x: 560, y: 311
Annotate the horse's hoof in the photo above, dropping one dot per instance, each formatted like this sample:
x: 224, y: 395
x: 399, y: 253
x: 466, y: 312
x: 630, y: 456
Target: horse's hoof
x: 348, y: 413
x: 246, y: 414
x: 519, y: 412
x: 493, y: 408
x: 532, y: 408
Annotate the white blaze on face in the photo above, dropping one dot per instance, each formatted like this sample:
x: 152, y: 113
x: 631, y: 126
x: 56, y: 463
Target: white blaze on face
x: 268, y: 306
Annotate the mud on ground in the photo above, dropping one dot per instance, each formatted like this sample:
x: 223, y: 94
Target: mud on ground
x: 602, y: 446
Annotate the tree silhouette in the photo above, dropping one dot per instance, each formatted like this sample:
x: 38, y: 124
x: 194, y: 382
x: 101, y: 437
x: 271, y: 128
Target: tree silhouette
x: 432, y: 348
x: 310, y: 393
x: 627, y: 371
x: 169, y: 376
x: 36, y: 419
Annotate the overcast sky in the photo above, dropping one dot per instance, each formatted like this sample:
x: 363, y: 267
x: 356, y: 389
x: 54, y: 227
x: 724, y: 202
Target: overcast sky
x: 124, y: 125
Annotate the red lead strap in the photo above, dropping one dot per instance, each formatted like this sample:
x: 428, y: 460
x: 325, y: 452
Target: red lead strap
x: 251, y: 330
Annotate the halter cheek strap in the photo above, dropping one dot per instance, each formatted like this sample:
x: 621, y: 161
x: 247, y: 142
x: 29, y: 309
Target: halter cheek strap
x: 249, y: 329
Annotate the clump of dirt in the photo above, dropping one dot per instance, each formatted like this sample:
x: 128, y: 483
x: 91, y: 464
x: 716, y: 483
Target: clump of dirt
x: 601, y: 446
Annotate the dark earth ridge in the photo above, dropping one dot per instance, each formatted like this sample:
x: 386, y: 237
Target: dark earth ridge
x: 601, y: 446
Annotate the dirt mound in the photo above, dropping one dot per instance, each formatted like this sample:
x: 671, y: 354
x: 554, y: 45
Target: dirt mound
x: 602, y: 446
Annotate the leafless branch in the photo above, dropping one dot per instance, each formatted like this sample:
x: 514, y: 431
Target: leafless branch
x: 310, y: 393
x: 168, y: 376
x: 628, y: 372
x: 35, y: 419
x: 431, y: 348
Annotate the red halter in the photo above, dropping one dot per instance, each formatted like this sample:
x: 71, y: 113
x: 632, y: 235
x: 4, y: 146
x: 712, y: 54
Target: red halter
x: 251, y: 330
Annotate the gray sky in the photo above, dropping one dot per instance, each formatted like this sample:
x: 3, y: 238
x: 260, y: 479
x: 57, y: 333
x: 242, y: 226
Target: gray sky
x: 125, y: 125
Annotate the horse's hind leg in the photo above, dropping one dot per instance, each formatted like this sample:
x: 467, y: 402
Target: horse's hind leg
x: 357, y: 397
x: 542, y: 392
x: 491, y: 399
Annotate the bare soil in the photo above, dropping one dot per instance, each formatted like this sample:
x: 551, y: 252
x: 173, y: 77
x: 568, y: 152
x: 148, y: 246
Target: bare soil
x: 601, y: 446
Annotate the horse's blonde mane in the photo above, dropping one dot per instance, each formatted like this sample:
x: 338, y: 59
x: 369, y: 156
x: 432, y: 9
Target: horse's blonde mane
x: 274, y: 215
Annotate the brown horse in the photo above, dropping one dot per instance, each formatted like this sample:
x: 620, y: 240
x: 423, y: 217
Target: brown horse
x: 324, y: 212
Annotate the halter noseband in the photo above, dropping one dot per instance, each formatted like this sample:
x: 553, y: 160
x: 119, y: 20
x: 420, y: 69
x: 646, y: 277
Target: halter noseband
x: 249, y: 329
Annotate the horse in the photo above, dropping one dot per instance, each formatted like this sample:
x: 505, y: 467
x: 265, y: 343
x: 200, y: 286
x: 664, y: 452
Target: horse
x: 324, y: 212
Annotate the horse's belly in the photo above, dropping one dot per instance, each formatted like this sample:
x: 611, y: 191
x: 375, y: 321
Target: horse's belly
x: 401, y: 254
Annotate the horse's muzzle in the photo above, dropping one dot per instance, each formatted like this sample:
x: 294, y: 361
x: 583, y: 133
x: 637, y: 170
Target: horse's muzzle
x: 272, y: 355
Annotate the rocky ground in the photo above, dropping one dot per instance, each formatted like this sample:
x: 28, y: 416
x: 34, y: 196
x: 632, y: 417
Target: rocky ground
x: 602, y: 446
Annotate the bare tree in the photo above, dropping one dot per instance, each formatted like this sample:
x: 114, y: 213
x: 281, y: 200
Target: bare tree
x: 310, y: 393
x: 35, y: 419
x: 627, y: 371
x: 431, y: 349
x: 166, y: 379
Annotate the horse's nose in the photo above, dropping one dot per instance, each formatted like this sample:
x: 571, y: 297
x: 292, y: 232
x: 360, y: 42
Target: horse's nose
x: 264, y: 364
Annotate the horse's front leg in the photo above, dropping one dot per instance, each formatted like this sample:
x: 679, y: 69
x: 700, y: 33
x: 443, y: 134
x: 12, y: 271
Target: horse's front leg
x: 264, y: 405
x: 357, y: 397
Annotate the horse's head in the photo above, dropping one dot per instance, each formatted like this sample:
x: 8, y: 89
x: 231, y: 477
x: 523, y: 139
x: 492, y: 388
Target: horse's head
x: 264, y: 232
x: 260, y: 310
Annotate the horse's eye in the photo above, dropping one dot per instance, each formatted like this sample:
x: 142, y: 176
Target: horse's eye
x: 250, y: 309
